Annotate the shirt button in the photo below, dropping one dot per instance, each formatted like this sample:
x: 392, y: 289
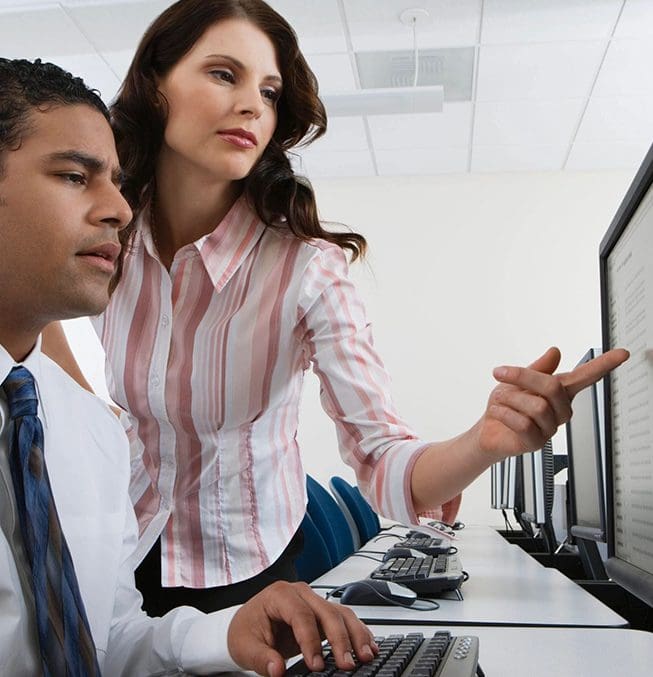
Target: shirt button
x: 165, y: 321
x: 154, y: 381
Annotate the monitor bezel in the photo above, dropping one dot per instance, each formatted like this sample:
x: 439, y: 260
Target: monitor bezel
x: 508, y: 497
x: 580, y: 530
x: 635, y: 580
x: 529, y: 457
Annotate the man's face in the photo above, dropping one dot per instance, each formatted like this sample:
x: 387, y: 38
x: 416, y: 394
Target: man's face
x: 60, y: 214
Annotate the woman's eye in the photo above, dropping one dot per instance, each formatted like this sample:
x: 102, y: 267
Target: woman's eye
x: 271, y: 94
x: 226, y: 76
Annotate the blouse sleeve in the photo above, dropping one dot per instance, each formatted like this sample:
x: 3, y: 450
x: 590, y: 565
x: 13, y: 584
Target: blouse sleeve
x: 355, y: 386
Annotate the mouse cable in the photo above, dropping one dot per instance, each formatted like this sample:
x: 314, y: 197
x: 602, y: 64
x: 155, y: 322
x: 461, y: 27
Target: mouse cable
x: 363, y: 554
x: 398, y: 536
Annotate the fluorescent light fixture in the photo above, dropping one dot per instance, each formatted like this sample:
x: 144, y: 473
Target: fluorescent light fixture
x: 386, y: 101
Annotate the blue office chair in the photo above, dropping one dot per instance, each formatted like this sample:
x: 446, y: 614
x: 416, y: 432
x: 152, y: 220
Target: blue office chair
x: 329, y: 520
x: 366, y: 521
x: 315, y: 558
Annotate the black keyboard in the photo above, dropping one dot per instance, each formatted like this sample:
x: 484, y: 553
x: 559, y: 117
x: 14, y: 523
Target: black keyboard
x: 429, y: 546
x: 425, y: 575
x: 401, y: 655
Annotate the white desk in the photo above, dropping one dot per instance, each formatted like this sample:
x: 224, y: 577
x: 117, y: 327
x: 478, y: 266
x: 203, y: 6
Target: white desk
x: 553, y: 652
x: 506, y: 587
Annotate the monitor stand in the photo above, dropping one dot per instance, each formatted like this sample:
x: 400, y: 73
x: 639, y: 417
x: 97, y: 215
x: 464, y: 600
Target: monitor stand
x: 591, y: 559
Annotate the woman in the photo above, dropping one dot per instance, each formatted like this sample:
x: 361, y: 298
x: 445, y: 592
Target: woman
x: 230, y: 288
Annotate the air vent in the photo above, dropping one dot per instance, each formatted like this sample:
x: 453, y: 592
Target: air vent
x: 453, y: 68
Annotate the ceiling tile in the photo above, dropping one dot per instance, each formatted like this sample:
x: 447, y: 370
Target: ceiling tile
x: 518, y: 158
x: 343, y: 134
x: 119, y: 62
x: 112, y: 28
x: 514, y: 21
x: 29, y: 34
x: 617, y: 119
x: 94, y: 71
x: 636, y: 20
x: 421, y: 161
x: 626, y: 69
x: 316, y: 22
x: 450, y: 128
x: 12, y: 5
x: 334, y: 72
x: 607, y: 155
x: 537, y: 71
x: 335, y: 164
x: 376, y: 25
x: 527, y: 123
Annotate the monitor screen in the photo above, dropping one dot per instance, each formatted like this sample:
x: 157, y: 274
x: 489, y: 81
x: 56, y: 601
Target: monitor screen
x: 626, y: 266
x: 585, y: 454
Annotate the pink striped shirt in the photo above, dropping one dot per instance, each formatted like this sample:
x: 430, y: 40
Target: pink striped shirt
x: 208, y: 361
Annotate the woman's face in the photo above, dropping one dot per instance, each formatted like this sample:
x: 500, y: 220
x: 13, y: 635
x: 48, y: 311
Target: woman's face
x: 221, y: 102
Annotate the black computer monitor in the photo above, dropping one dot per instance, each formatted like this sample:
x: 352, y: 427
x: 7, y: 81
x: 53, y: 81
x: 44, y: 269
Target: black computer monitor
x: 496, y: 485
x: 626, y: 267
x: 509, y: 476
x: 537, y: 491
x: 586, y: 461
x: 529, y: 505
x: 586, y: 471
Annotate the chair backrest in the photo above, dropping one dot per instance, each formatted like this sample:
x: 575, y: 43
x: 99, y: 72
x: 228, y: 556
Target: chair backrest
x: 366, y: 520
x: 314, y: 559
x: 329, y: 520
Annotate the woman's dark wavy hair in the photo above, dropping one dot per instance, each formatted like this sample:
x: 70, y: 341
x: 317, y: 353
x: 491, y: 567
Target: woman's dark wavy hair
x: 281, y: 199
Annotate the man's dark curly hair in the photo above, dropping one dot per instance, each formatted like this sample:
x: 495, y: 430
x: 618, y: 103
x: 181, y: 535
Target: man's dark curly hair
x: 27, y: 85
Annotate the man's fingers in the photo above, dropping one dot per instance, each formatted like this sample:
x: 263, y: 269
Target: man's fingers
x: 294, y: 611
x: 593, y: 371
x: 267, y: 661
x: 345, y: 632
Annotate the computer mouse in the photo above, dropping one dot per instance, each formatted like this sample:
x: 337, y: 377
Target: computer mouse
x: 413, y: 533
x: 441, y: 526
x: 402, y: 552
x: 372, y: 591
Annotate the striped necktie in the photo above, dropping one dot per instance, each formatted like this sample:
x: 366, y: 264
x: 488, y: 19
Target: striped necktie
x: 67, y: 648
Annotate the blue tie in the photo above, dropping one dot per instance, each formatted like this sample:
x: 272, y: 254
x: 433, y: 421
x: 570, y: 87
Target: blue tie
x: 65, y: 640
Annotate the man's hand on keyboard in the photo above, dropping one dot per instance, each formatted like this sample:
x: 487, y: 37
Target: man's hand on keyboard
x: 289, y: 618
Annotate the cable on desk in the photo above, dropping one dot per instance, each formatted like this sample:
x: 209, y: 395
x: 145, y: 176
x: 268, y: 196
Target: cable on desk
x: 479, y: 671
x: 366, y: 556
x: 397, y: 536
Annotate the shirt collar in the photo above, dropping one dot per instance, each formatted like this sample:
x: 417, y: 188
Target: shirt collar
x: 33, y: 363
x: 223, y: 250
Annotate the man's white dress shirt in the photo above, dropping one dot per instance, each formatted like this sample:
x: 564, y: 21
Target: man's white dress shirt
x: 87, y: 456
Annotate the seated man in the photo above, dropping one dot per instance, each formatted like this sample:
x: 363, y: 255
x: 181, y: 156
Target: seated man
x: 68, y: 604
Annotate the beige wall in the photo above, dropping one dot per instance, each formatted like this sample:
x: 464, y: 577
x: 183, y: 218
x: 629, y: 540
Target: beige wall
x: 464, y: 273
